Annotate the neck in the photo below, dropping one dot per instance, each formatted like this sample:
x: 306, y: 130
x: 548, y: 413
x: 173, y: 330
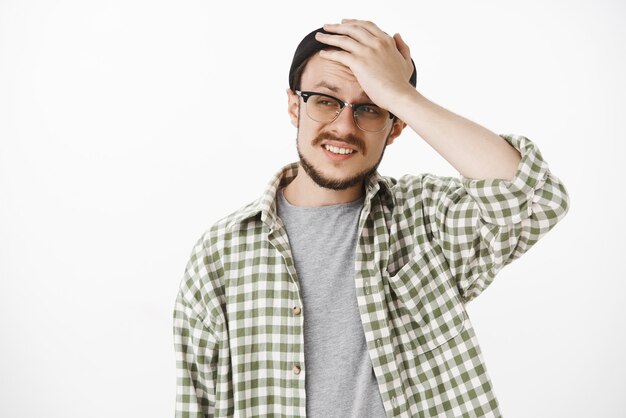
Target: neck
x: 303, y: 191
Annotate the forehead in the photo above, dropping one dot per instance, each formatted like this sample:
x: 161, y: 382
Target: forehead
x: 326, y: 76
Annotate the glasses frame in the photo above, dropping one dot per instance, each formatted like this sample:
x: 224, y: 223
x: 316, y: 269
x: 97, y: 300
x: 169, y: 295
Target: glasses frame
x: 355, y: 106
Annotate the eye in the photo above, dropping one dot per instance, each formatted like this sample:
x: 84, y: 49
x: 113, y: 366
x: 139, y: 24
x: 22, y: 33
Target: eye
x: 374, y: 110
x: 324, y: 101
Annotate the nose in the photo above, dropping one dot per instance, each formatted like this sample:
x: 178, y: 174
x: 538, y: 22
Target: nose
x: 345, y: 121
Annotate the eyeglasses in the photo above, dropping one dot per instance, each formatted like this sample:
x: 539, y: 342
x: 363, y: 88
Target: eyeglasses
x: 324, y: 108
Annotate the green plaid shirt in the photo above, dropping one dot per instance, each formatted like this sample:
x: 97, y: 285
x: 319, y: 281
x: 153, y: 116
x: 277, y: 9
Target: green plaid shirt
x: 426, y: 246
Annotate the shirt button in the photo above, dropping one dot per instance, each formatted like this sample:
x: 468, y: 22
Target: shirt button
x: 296, y: 369
x: 394, y: 402
x: 379, y: 341
x: 296, y: 310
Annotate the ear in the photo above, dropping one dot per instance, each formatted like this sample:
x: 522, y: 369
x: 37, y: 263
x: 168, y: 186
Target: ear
x: 396, y: 130
x: 293, y: 102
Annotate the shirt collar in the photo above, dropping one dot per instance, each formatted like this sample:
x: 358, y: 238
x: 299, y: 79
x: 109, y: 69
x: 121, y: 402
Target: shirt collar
x: 266, y: 204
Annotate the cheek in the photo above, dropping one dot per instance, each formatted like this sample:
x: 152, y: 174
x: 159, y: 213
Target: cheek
x: 375, y: 148
x: 305, y: 136
x: 307, y: 130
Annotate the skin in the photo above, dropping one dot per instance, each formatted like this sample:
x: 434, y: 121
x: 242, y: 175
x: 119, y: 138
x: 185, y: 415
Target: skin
x: 373, y: 65
x: 369, y: 146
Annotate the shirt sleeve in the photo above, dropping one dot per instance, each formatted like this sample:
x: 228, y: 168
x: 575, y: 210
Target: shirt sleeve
x: 483, y: 225
x: 196, y: 337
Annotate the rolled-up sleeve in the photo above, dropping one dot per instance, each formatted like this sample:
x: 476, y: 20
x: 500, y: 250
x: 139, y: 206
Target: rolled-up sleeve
x: 483, y: 225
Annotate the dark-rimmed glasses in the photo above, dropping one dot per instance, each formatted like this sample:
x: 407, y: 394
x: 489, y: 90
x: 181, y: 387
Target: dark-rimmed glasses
x: 325, y: 108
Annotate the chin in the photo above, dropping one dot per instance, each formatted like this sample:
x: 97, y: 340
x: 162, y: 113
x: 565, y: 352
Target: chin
x: 323, y: 179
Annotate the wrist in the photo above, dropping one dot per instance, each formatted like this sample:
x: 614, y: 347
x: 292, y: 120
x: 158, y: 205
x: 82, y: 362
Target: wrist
x: 404, y: 99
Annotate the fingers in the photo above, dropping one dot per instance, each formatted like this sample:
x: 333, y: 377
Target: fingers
x: 356, y: 32
x: 351, y: 34
x: 402, y: 46
x: 366, y: 24
x: 344, y: 42
x: 341, y: 57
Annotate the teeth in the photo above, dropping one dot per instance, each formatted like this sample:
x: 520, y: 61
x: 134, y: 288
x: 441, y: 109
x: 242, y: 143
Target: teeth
x: 338, y: 150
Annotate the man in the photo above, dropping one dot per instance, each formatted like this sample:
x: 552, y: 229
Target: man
x: 340, y: 292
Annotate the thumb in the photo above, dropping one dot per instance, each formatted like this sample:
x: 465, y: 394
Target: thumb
x: 402, y: 46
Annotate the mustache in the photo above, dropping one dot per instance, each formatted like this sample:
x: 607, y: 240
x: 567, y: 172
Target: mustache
x: 353, y: 140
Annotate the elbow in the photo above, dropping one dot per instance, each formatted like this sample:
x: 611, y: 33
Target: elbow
x: 563, y: 201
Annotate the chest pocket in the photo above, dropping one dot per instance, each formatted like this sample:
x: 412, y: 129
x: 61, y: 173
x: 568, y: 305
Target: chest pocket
x: 426, y: 290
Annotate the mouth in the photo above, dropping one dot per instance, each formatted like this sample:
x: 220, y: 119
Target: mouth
x: 338, y: 153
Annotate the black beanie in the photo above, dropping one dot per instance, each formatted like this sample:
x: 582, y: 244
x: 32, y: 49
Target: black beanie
x: 309, y: 46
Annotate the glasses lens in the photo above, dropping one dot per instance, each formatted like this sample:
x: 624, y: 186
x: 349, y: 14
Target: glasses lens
x: 322, y: 108
x: 371, y: 118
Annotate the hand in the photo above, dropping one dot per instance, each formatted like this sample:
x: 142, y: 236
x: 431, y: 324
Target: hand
x: 381, y: 63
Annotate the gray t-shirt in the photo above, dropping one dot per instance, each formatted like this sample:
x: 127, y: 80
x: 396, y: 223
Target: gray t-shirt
x: 340, y: 380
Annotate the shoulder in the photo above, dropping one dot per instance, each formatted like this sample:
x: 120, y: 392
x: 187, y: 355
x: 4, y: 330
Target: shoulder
x: 202, y: 287
x: 217, y: 233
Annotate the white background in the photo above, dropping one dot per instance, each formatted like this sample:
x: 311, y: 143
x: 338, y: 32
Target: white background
x: 127, y: 129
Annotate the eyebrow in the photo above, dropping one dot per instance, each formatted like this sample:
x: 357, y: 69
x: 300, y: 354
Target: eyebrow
x: 335, y: 89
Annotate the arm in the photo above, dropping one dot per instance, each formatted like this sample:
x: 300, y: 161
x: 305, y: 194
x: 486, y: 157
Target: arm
x: 200, y: 347
x: 474, y: 151
x: 506, y: 198
x: 483, y: 225
x: 382, y: 65
x: 195, y: 348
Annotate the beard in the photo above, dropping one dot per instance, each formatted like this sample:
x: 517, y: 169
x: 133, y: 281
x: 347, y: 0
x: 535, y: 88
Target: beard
x: 337, y: 184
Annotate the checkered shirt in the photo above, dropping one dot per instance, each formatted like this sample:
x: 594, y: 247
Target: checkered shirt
x: 426, y: 246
